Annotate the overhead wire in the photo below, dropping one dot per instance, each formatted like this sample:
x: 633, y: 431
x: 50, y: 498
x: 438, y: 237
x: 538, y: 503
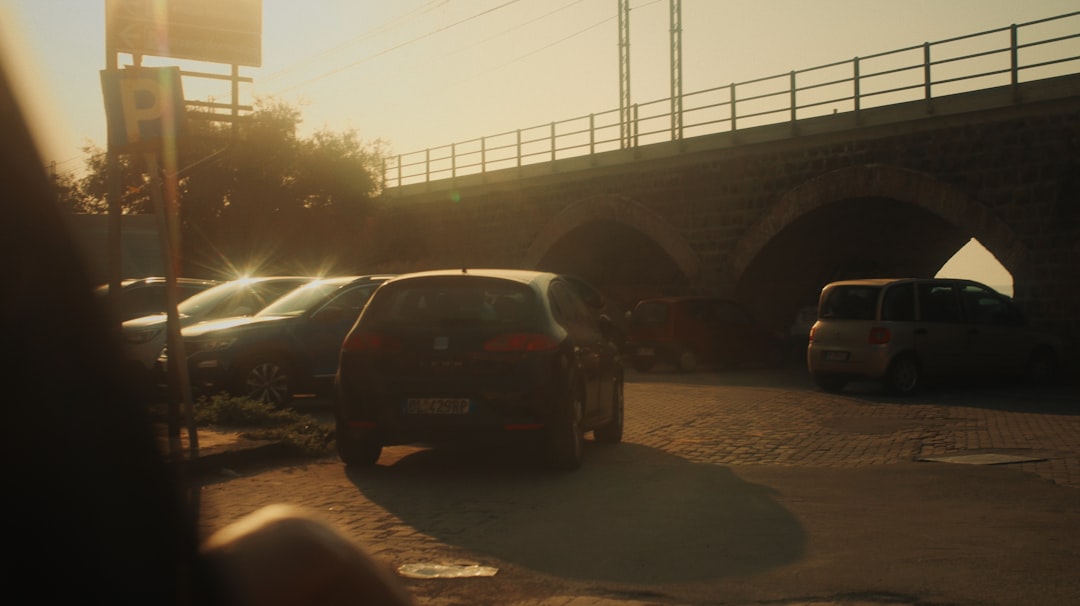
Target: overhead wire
x: 385, y: 27
x: 397, y: 46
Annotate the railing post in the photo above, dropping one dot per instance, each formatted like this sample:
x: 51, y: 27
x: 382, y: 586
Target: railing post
x: 794, y: 103
x: 399, y: 170
x: 519, y: 148
x: 453, y: 160
x: 926, y: 70
x: 635, y: 125
x: 552, y: 141
x: 857, y: 93
x: 427, y: 165
x: 592, y: 134
x: 483, y: 154
x: 1015, y: 54
x: 732, y: 95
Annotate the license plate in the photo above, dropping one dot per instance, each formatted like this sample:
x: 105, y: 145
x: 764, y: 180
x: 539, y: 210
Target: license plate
x: 437, y: 406
x: 836, y: 356
x: 645, y: 351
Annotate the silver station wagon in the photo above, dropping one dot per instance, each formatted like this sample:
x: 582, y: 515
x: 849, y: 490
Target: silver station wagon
x: 902, y: 331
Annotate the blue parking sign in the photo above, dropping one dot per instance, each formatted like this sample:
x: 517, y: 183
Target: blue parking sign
x: 144, y: 107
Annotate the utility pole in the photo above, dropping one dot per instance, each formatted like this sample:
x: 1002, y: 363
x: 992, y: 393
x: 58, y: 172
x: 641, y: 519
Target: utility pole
x: 676, y: 70
x: 625, y: 118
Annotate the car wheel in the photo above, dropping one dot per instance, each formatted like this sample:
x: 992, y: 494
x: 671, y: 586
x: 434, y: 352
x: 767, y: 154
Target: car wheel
x: 612, y: 432
x: 686, y: 361
x: 904, y: 376
x: 358, y: 452
x: 1041, y: 367
x: 567, y: 438
x: 268, y: 380
x: 643, y: 364
x: 830, y: 383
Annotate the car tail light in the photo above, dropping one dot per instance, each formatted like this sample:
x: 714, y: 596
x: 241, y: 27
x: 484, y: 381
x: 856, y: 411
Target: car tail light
x: 366, y: 341
x: 521, y: 341
x: 879, y: 335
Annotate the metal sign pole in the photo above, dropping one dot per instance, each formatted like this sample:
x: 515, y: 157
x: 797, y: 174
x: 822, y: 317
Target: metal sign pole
x: 179, y: 381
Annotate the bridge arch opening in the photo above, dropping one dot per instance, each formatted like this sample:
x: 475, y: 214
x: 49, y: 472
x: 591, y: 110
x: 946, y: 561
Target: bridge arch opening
x: 625, y: 249
x: 863, y: 221
x: 622, y: 262
x: 975, y: 262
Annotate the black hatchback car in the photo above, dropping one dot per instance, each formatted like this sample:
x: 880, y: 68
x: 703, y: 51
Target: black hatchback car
x: 289, y: 347
x: 466, y: 355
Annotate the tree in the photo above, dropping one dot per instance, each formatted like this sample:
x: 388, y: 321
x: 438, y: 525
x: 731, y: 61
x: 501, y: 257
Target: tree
x: 256, y: 198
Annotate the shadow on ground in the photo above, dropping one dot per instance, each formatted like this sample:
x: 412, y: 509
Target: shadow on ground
x: 632, y: 514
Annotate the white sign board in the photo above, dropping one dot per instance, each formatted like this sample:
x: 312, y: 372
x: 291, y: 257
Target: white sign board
x: 217, y: 31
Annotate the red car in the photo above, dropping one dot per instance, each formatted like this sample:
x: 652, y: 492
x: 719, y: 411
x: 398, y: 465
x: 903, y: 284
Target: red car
x: 689, y: 332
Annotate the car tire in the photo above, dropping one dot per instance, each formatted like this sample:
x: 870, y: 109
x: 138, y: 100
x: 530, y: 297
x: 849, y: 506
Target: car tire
x: 643, y: 364
x: 358, y: 452
x: 612, y: 432
x: 830, y: 383
x: 567, y: 440
x: 267, y: 379
x: 686, y: 361
x: 905, y: 376
x: 1041, y: 368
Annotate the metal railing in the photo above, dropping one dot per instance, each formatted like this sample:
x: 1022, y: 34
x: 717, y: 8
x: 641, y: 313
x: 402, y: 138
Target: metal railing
x: 977, y: 61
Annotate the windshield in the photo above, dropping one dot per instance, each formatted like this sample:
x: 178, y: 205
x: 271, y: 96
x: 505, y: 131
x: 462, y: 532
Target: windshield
x: 304, y: 298
x: 452, y: 301
x: 238, y: 298
x: 211, y: 297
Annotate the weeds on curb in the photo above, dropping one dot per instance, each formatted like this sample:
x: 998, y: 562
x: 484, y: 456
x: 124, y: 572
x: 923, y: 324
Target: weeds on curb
x: 300, y: 433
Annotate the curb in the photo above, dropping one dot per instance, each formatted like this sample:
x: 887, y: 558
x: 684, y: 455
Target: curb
x: 246, y: 452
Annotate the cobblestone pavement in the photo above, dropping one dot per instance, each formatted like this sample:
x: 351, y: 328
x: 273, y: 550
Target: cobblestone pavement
x: 740, y: 487
x: 778, y: 418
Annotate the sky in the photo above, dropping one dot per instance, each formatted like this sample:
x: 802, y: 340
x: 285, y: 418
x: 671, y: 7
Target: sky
x: 415, y: 74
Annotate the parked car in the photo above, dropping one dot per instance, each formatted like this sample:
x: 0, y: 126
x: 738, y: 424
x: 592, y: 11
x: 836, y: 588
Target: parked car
x: 798, y: 335
x: 900, y: 331
x: 144, y: 337
x: 688, y: 332
x: 478, y: 354
x: 604, y: 308
x: 289, y: 347
x: 146, y: 296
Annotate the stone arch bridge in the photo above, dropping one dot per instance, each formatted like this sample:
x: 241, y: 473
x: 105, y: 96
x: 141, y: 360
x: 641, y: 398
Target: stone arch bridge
x: 771, y: 214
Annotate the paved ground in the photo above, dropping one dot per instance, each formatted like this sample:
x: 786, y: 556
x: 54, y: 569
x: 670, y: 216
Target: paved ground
x: 745, y: 487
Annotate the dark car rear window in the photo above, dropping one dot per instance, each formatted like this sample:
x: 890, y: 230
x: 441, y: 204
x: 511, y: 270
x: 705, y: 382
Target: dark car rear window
x: 851, y: 302
x: 452, y: 301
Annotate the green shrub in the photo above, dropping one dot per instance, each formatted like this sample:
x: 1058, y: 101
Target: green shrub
x: 236, y: 411
x: 302, y: 434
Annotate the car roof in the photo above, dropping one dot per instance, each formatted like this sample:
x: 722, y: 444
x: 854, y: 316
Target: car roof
x: 686, y: 299
x: 129, y: 282
x: 352, y: 279
x: 884, y: 281
x: 524, y: 276
x: 869, y: 281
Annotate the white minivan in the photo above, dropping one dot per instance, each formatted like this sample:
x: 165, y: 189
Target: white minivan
x: 901, y: 331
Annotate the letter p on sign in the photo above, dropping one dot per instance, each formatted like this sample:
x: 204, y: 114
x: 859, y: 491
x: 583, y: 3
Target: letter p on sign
x: 144, y: 107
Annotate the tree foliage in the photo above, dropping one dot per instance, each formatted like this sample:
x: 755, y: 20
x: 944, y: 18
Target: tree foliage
x: 254, y: 197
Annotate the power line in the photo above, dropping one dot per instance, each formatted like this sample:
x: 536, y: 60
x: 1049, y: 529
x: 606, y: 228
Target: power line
x: 386, y: 27
x: 397, y: 46
x: 516, y: 27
